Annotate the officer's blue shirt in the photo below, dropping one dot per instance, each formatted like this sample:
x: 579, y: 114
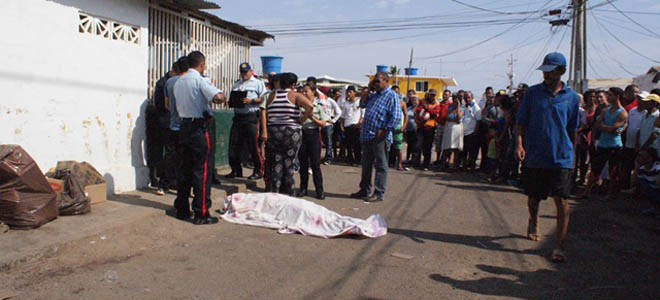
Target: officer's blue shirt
x: 175, y: 122
x: 193, y: 94
x: 548, y: 118
x: 255, y: 88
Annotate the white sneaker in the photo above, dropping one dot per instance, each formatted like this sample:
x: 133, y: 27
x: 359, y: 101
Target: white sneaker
x: 160, y: 192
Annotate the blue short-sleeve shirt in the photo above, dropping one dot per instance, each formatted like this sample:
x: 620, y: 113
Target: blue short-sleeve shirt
x: 548, y: 119
x: 193, y: 94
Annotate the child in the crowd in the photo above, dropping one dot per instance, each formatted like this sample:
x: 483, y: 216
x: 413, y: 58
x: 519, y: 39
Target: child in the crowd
x: 491, y: 156
x: 648, y: 178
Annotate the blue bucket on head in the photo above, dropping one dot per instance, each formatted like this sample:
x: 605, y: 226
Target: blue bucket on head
x: 411, y: 71
x: 382, y: 68
x: 271, y: 64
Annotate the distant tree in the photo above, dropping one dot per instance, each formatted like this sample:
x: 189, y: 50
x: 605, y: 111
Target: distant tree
x: 394, y: 70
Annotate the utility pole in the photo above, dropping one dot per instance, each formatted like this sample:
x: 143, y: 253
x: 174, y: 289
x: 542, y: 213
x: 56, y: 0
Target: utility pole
x: 510, y: 74
x: 578, y: 70
x: 409, y: 66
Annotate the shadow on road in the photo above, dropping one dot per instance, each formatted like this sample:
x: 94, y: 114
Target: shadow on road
x: 137, y: 200
x: 483, y: 242
x: 612, y: 254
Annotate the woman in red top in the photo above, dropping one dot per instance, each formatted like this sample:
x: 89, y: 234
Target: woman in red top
x: 425, y: 117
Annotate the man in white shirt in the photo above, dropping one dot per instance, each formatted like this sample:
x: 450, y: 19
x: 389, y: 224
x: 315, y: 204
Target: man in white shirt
x: 635, y: 117
x: 471, y: 118
x: 333, y: 110
x: 351, y: 121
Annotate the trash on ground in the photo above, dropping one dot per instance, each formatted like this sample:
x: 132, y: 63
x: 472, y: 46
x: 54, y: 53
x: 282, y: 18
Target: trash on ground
x: 402, y: 256
x: 76, y: 181
x: 110, y: 276
x: 26, y: 198
x: 289, y: 215
x: 3, y: 227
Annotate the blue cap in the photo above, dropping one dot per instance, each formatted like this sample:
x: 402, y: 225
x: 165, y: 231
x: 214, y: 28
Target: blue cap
x: 551, y: 61
x: 245, y: 67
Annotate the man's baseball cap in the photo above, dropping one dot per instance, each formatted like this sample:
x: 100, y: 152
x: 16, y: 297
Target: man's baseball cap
x: 245, y: 67
x: 551, y: 61
x: 652, y: 97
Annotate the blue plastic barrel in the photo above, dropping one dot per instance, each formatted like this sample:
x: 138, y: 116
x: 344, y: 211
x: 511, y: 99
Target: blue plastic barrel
x: 271, y: 64
x: 382, y: 68
x: 411, y: 71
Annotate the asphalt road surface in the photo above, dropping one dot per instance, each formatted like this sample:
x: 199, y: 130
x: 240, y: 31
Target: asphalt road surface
x: 465, y: 237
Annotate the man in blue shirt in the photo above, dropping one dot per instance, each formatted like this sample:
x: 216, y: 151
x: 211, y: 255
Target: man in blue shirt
x: 382, y: 114
x: 546, y: 124
x: 193, y: 92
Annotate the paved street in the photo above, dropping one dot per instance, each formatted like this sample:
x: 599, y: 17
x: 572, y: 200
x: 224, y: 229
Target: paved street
x: 466, y: 239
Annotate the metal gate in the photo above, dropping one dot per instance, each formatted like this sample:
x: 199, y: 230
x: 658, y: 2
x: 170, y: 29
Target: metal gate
x: 175, y: 34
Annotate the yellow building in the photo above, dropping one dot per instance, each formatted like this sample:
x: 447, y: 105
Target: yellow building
x: 421, y: 84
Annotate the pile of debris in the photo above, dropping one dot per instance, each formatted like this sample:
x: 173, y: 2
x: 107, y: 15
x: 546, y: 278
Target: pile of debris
x: 29, y: 199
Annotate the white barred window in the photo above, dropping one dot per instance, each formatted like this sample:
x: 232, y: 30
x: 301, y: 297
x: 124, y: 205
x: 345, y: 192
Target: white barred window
x: 108, y: 29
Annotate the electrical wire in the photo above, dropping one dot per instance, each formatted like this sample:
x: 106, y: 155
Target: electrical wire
x: 563, y: 35
x: 621, y: 42
x: 629, y: 12
x: 485, y: 40
x: 608, y: 51
x: 538, y: 56
x: 454, y: 14
x: 632, y: 20
x: 495, y: 11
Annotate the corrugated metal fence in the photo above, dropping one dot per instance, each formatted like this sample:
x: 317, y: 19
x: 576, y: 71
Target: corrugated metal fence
x: 174, y: 34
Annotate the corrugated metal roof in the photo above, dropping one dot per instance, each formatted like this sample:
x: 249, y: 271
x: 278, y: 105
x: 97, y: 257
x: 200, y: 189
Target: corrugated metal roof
x: 196, y: 4
x: 257, y: 36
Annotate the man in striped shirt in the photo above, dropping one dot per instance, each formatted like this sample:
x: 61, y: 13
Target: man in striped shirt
x: 382, y: 114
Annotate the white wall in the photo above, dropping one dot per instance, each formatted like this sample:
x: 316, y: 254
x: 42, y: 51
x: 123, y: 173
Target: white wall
x: 73, y: 96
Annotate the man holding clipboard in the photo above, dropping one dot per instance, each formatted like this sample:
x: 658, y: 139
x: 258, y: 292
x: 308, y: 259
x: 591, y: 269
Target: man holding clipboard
x: 245, y: 98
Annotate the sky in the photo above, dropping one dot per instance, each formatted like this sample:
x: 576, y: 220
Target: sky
x: 474, y: 53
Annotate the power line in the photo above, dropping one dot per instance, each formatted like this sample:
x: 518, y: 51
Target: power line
x: 539, y: 55
x: 397, y: 27
x: 485, y: 40
x: 563, y: 35
x: 628, y: 28
x: 621, y: 42
x: 629, y: 12
x: 632, y: 20
x: 495, y: 11
x: 461, y: 14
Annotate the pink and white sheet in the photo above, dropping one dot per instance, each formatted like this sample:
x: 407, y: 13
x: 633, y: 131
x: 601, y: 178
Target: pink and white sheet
x: 290, y: 215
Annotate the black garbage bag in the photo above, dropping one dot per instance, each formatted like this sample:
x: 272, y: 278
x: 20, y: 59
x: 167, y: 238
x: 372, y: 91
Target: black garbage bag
x: 26, y: 198
x: 72, y: 200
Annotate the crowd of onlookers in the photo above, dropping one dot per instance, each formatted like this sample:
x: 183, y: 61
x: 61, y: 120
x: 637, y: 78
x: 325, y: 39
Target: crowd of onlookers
x: 616, y: 147
x: 289, y: 127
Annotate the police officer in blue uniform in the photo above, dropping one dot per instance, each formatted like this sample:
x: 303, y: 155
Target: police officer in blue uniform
x: 193, y: 94
x: 244, y: 131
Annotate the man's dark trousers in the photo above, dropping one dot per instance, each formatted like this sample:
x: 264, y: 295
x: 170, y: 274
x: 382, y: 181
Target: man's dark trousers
x: 309, y: 155
x: 374, y: 156
x: 195, y: 170
x: 244, y: 132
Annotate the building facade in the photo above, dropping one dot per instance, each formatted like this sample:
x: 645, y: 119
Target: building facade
x: 78, y: 75
x: 421, y: 84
